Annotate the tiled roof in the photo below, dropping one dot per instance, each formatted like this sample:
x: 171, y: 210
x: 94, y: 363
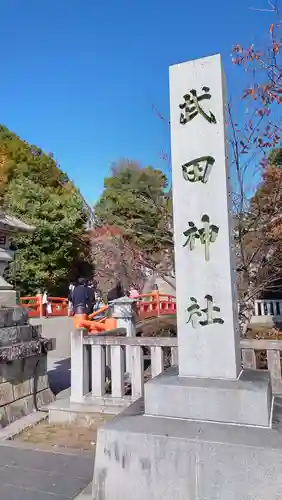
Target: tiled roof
x: 11, y: 223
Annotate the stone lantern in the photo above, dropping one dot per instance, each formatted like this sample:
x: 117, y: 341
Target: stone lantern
x: 9, y: 226
x: 24, y: 385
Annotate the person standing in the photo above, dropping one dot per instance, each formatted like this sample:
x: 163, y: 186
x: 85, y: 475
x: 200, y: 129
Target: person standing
x: 80, y: 297
x: 70, y: 299
x: 116, y: 292
x: 99, y: 302
x: 91, y: 297
x: 133, y: 292
x: 45, y: 304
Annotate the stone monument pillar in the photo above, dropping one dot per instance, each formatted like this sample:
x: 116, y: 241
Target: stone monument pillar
x: 207, y: 431
x: 207, y: 322
x: 210, y: 385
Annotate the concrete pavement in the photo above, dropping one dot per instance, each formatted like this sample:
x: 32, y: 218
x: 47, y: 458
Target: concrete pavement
x: 60, y: 328
x: 58, y: 361
x: 28, y: 473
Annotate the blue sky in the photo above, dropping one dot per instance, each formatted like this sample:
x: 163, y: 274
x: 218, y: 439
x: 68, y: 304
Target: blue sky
x: 79, y: 77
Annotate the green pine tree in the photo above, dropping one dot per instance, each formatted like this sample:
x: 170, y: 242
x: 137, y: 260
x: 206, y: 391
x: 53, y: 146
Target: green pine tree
x: 35, y: 189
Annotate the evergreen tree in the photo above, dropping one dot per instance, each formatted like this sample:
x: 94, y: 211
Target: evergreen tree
x: 135, y: 199
x: 35, y: 189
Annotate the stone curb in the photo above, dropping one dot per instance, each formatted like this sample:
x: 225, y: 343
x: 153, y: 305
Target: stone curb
x: 21, y: 424
x: 86, y: 494
x: 18, y: 444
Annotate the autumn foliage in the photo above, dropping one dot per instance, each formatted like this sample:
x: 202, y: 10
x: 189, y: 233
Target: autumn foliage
x: 264, y: 66
x: 255, y: 140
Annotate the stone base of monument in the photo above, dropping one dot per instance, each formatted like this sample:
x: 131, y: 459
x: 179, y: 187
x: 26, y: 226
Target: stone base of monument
x: 24, y: 383
x: 175, y: 458
x: 196, y: 438
x: 246, y: 400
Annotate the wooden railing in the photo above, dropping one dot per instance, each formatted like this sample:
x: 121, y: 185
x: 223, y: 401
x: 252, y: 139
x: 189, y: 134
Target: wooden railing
x: 59, y: 306
x: 155, y: 304
x: 158, y: 354
x: 148, y: 306
x: 268, y: 307
x: 34, y: 306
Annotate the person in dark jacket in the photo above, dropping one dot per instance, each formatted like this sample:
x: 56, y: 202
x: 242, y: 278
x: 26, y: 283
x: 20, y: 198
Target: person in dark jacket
x: 91, y: 297
x: 80, y: 297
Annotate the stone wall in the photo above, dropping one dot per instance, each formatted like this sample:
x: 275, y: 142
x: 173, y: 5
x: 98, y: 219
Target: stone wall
x: 23, y: 387
x: 24, y: 383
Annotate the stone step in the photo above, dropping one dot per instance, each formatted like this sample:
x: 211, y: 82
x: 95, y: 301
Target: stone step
x: 63, y: 410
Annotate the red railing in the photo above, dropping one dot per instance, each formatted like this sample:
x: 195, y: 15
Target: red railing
x: 154, y: 304
x: 149, y: 305
x: 57, y: 306
x: 33, y: 305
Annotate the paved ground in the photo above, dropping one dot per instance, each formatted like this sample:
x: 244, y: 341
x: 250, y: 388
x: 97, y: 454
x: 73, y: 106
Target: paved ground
x: 59, y: 359
x: 60, y: 328
x: 32, y: 474
x: 29, y: 473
